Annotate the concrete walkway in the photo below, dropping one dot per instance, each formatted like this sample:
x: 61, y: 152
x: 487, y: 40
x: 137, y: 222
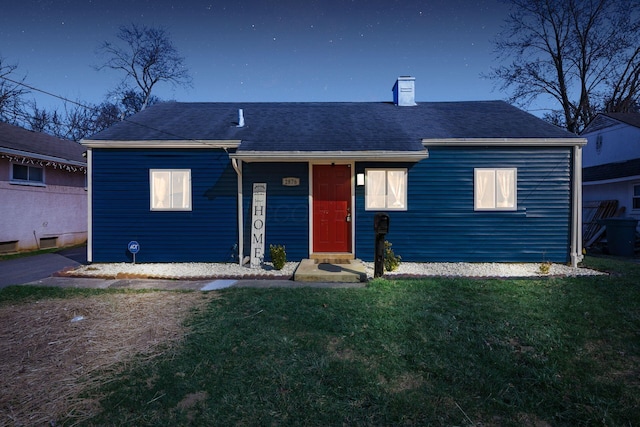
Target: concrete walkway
x: 41, y: 270
x: 31, y: 268
x: 192, y: 285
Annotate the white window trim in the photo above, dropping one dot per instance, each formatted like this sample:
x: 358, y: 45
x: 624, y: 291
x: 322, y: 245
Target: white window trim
x: 487, y: 187
x: 153, y: 190
x: 17, y: 181
x: 402, y: 198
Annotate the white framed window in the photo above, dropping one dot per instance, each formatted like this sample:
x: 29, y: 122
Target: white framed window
x: 636, y: 196
x: 170, y: 189
x: 386, y: 189
x: 495, y: 189
x: 27, y: 174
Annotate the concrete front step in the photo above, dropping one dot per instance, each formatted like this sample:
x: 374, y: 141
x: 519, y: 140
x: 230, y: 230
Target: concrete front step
x: 327, y: 270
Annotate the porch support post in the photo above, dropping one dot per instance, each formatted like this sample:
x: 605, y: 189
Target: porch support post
x: 576, y: 220
x: 237, y: 166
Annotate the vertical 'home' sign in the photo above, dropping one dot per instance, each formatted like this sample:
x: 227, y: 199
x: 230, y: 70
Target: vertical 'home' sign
x: 258, y: 211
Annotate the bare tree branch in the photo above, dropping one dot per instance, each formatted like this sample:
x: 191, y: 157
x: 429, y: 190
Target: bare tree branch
x: 11, y: 93
x: 581, y: 53
x: 147, y: 57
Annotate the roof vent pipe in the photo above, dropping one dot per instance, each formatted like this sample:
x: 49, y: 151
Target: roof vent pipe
x: 240, y: 118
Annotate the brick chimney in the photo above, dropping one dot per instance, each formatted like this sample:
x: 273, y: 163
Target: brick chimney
x: 404, y: 91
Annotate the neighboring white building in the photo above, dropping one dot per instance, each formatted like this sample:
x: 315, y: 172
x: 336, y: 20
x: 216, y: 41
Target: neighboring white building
x: 43, y: 197
x: 611, y: 161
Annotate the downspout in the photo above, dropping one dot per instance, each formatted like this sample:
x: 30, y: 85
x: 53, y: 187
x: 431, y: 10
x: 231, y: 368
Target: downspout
x: 237, y: 166
x: 89, y: 205
x: 576, y: 220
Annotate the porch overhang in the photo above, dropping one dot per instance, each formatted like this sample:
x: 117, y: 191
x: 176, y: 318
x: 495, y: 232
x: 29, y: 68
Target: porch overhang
x: 360, y: 156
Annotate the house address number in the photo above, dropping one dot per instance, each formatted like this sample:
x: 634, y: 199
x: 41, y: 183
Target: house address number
x: 290, y: 182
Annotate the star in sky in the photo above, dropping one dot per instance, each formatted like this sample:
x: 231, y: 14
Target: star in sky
x: 303, y: 50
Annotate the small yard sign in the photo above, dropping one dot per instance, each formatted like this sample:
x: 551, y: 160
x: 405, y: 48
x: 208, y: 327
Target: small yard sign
x: 258, y: 212
x: 134, y: 248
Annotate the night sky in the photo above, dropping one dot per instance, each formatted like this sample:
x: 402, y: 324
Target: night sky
x: 264, y: 50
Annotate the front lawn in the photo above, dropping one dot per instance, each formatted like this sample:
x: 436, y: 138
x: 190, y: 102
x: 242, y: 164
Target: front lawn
x: 536, y: 352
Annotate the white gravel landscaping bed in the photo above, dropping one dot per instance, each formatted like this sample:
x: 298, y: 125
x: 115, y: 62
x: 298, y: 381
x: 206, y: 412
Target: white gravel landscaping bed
x: 493, y: 269
x: 228, y: 270
x: 185, y: 270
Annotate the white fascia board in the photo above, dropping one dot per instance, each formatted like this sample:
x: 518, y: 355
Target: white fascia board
x: 42, y: 157
x: 190, y: 143
x: 284, y: 156
x: 531, y: 142
x: 612, y: 180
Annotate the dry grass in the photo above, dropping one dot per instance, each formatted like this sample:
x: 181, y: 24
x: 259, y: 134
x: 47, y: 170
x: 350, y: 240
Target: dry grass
x: 49, y: 357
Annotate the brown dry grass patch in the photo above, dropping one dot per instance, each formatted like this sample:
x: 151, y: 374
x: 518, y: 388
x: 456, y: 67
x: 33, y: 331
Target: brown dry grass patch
x: 49, y: 360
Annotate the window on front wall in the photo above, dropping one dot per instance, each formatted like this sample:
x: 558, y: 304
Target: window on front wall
x: 636, y: 196
x: 27, y: 174
x: 170, y: 189
x: 386, y: 189
x: 495, y: 189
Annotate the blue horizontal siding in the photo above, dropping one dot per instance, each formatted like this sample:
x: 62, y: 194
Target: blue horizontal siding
x: 121, y: 207
x: 441, y: 225
x: 287, y: 215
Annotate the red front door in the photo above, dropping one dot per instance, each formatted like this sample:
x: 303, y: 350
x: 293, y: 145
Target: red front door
x: 332, y: 208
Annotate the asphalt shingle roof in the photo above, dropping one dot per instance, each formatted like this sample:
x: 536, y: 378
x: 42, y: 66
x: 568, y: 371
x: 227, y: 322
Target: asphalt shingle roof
x: 326, y: 126
x: 632, y: 119
x: 611, y: 171
x: 38, y: 143
x: 605, y: 120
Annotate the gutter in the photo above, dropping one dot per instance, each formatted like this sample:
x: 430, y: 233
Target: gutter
x: 612, y: 180
x: 527, y: 142
x: 42, y: 157
x: 187, y: 143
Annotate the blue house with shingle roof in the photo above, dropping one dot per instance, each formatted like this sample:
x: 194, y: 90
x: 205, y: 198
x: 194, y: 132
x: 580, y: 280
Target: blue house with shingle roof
x: 460, y: 181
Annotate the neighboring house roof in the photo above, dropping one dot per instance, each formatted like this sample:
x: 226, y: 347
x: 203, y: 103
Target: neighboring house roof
x: 329, y: 126
x: 605, y: 120
x: 620, y: 166
x: 17, y: 141
x: 611, y: 171
x: 632, y: 119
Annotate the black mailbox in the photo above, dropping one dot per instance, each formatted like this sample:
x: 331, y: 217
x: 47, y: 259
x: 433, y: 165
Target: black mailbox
x: 381, y: 227
x: 381, y: 223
